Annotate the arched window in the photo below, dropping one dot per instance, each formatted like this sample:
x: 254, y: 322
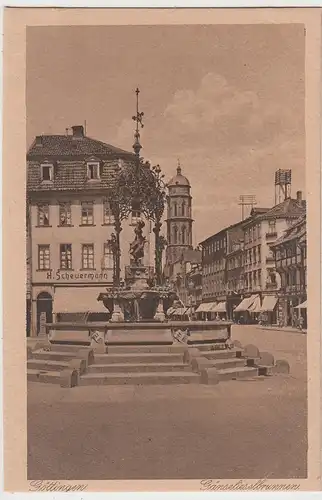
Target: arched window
x: 175, y: 209
x: 183, y: 232
x: 183, y: 208
x: 175, y: 235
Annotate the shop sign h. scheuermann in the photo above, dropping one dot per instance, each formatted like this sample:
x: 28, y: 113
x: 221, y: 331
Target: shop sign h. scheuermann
x: 77, y: 276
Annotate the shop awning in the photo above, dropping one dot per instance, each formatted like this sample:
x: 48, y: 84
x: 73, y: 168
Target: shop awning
x: 255, y: 307
x: 269, y: 303
x: 302, y: 306
x: 220, y: 307
x: 206, y: 307
x: 78, y: 300
x: 245, y: 304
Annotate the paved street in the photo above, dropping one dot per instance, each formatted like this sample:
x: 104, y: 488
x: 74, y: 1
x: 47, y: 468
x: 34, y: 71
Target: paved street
x: 238, y: 429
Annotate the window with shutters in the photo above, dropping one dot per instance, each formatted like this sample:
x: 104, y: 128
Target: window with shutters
x: 43, y: 257
x: 43, y: 214
x: 66, y: 256
x: 271, y: 227
x: 87, y: 218
x: 88, y: 256
x: 108, y: 217
x: 108, y: 259
x: 65, y: 214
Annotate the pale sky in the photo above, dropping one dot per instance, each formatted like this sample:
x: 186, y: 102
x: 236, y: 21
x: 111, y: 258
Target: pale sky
x: 228, y: 100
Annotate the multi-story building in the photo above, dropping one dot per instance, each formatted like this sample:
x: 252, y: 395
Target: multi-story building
x: 260, y: 276
x: 238, y: 266
x: 184, y: 277
x: 214, y: 269
x: 69, y: 221
x: 234, y: 276
x: 194, y: 284
x: 290, y: 252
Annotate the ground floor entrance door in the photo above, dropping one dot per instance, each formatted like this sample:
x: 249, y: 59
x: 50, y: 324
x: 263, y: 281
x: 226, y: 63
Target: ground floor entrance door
x: 44, y: 311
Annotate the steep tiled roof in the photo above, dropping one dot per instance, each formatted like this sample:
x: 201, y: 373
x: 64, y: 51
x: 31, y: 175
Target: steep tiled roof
x: 69, y: 154
x: 296, y: 230
x: 70, y: 176
x: 70, y: 146
x: 259, y: 210
x: 288, y: 208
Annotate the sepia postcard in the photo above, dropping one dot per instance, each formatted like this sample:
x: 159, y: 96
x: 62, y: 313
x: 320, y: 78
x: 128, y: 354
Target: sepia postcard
x: 162, y: 250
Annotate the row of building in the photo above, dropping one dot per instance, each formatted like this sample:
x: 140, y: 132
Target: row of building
x: 255, y: 266
x: 253, y: 270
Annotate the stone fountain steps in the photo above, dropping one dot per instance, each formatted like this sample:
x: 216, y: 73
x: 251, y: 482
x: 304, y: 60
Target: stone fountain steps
x: 138, y: 358
x: 222, y: 354
x: 142, y: 364
x: 55, y: 355
x: 222, y: 364
x: 148, y: 378
x: 68, y: 348
x: 138, y: 367
x: 235, y: 373
x: 47, y: 377
x: 46, y: 365
x: 132, y: 349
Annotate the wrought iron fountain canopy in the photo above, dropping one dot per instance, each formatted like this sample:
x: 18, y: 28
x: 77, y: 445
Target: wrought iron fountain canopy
x: 137, y: 183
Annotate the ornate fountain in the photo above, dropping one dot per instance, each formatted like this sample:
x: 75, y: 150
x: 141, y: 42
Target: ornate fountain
x: 142, y: 294
x: 137, y: 304
x: 140, y: 298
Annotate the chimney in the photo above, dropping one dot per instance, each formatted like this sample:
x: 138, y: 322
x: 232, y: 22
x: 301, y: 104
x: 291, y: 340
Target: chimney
x: 78, y: 131
x: 39, y: 140
x: 299, y: 196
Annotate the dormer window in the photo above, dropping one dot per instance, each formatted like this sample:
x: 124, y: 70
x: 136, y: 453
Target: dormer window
x: 93, y: 170
x: 47, y: 172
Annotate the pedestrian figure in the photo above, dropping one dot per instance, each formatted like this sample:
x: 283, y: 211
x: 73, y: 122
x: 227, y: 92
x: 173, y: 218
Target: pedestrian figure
x: 301, y: 322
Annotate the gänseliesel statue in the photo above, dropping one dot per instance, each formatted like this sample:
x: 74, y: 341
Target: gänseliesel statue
x: 137, y: 245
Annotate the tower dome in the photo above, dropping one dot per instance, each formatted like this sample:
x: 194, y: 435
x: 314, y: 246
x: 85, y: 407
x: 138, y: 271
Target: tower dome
x: 179, y: 179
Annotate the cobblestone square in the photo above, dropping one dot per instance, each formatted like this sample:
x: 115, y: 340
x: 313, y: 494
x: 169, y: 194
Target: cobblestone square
x: 237, y: 429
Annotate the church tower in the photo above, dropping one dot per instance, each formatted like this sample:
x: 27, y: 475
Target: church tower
x: 179, y: 221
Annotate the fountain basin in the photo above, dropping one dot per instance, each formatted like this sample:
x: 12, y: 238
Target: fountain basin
x: 132, y: 333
